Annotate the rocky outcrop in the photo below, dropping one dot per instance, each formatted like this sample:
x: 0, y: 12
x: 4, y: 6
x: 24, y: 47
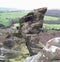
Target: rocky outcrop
x: 30, y: 27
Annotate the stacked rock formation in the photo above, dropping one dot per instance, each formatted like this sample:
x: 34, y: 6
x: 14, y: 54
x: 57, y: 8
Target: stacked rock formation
x: 30, y: 27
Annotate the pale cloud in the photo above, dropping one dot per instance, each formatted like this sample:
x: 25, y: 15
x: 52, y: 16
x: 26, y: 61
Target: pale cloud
x: 30, y: 4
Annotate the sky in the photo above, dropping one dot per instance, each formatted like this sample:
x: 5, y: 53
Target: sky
x: 30, y: 4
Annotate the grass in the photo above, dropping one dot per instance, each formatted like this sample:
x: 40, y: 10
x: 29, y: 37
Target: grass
x: 4, y: 22
x: 50, y: 18
x: 10, y: 15
x: 52, y: 26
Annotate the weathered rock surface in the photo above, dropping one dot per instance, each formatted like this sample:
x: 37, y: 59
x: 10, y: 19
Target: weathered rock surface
x: 31, y: 26
x: 50, y: 53
x: 33, y: 21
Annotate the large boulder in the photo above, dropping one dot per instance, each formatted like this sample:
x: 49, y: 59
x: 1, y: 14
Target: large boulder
x: 50, y: 52
x: 54, y: 41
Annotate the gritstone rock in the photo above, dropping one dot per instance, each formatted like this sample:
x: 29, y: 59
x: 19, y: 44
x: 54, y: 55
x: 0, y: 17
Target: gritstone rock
x: 30, y: 27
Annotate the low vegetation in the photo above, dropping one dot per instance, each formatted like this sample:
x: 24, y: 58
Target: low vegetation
x: 52, y: 26
x: 23, y: 53
x: 51, y: 18
x: 6, y: 16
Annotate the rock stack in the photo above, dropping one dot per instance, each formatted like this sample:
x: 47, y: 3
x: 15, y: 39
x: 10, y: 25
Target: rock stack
x: 30, y: 27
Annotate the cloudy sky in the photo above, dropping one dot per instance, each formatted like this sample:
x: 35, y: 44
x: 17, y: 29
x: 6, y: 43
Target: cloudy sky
x: 30, y: 4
